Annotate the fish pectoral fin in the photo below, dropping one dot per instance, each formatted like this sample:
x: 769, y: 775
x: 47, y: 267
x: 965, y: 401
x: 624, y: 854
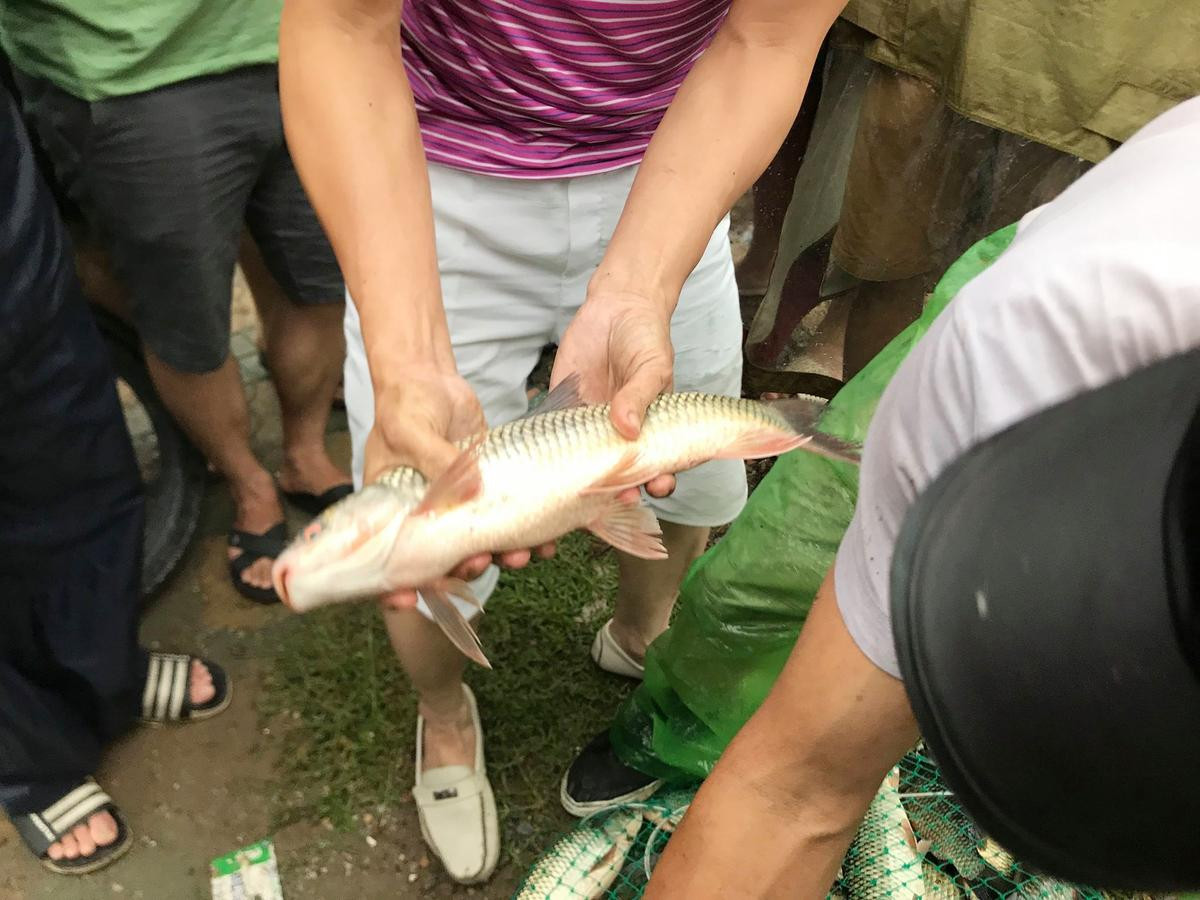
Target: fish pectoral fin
x: 453, y: 623
x: 456, y: 485
x: 629, y: 472
x: 564, y: 395
x: 632, y: 528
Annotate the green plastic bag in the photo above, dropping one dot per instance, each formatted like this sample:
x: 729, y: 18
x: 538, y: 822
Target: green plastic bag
x: 743, y: 602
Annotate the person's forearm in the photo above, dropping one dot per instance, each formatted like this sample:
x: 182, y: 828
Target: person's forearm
x: 352, y: 130
x: 724, y: 126
x: 784, y: 801
x: 764, y: 825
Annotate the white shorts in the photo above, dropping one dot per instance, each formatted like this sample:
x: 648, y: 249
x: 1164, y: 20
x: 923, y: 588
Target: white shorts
x: 515, y: 258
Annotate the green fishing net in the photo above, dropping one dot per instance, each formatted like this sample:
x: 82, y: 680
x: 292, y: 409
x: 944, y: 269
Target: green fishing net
x: 915, y: 841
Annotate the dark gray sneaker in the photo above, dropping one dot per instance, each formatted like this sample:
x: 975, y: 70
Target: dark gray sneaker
x: 597, y: 779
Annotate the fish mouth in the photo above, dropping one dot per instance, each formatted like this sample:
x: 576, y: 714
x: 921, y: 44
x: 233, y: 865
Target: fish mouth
x: 350, y: 574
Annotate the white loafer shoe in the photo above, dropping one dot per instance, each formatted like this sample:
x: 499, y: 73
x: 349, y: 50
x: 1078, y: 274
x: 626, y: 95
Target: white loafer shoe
x: 457, y: 810
x: 611, y: 656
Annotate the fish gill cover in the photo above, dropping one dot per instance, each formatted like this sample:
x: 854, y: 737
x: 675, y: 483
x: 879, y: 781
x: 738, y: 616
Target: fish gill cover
x: 610, y: 855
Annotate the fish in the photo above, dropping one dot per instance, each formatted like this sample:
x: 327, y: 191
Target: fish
x: 951, y: 835
x: 561, y: 467
x: 940, y: 884
x: 884, y: 860
x: 666, y: 809
x: 583, y: 863
x: 1043, y: 887
x: 997, y: 857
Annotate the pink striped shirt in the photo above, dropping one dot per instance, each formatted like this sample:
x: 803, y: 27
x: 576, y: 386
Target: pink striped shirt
x: 547, y: 88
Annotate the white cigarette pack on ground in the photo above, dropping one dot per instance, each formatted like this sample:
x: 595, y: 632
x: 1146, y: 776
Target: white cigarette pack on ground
x: 247, y: 874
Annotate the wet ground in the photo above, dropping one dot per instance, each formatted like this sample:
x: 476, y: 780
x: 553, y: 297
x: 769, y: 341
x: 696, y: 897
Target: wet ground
x: 191, y: 793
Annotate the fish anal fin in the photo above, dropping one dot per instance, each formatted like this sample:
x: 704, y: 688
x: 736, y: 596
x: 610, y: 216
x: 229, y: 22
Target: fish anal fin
x: 456, y: 485
x: 629, y: 472
x: 632, y: 528
x: 456, y: 587
x: 564, y: 395
x: 453, y: 623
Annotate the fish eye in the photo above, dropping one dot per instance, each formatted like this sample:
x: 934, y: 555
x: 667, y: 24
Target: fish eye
x: 311, y: 530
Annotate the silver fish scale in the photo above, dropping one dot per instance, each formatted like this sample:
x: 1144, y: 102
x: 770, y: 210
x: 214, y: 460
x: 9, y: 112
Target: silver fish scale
x: 404, y: 478
x: 565, y: 429
x: 880, y: 864
x: 555, y: 434
x: 571, y: 868
x: 569, y: 857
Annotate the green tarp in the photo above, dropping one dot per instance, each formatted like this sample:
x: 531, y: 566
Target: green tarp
x: 743, y: 602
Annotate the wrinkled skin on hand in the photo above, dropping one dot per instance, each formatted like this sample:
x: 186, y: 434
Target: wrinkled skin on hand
x: 417, y: 420
x: 620, y: 345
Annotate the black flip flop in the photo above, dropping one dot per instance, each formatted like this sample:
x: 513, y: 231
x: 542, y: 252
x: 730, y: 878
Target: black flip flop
x: 41, y: 829
x: 254, y: 547
x: 315, y: 504
x: 165, y: 696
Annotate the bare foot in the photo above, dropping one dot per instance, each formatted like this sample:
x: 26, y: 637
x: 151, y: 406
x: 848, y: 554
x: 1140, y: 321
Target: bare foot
x: 311, y: 471
x: 449, y: 739
x: 200, y: 685
x: 83, y: 841
x: 257, y: 510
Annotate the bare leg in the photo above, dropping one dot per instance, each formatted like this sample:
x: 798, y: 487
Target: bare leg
x: 648, y: 588
x: 305, y: 349
x: 880, y: 310
x: 211, y: 408
x: 772, y: 192
x: 435, y: 668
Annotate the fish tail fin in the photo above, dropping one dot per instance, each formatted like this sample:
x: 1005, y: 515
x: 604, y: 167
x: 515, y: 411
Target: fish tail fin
x: 452, y: 622
x: 630, y: 527
x: 801, y: 415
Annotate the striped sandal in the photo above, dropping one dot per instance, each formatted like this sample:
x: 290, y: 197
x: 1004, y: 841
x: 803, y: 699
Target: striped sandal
x: 165, y: 697
x: 41, y: 829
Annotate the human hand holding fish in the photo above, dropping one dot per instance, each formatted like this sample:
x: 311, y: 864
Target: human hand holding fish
x: 420, y: 411
x: 526, y: 483
x: 619, y: 346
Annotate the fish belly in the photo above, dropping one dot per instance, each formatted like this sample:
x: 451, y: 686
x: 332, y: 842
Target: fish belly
x: 881, y: 863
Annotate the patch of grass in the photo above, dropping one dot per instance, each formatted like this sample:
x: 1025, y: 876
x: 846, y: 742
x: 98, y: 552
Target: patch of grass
x: 352, y: 745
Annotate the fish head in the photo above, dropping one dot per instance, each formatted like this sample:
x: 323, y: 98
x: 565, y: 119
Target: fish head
x: 344, y: 553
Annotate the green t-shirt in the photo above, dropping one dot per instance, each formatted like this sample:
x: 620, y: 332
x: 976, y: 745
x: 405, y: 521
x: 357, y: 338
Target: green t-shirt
x: 106, y: 48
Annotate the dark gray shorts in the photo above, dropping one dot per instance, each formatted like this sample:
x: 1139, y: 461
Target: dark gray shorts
x: 168, y: 178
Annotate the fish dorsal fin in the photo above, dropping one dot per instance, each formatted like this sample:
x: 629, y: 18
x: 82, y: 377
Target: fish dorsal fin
x: 563, y: 395
x: 456, y: 485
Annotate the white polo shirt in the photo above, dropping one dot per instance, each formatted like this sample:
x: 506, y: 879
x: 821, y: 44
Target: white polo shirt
x: 1102, y: 281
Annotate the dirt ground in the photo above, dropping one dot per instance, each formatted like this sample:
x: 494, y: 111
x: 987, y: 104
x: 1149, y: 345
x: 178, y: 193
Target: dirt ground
x: 194, y: 792
x: 191, y: 793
